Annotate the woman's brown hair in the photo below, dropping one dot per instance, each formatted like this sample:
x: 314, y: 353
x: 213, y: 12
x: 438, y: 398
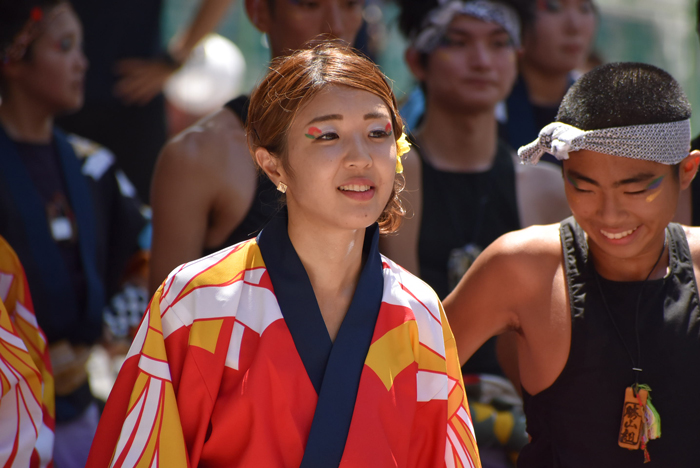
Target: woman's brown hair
x: 294, y: 80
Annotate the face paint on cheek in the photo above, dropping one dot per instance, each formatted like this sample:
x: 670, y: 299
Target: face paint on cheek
x: 654, y: 185
x: 387, y: 129
x: 313, y: 133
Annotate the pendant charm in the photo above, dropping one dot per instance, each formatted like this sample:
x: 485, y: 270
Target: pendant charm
x: 632, y: 418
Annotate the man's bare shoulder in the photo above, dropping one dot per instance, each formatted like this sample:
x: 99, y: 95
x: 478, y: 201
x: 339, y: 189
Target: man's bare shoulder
x: 215, y: 141
x: 535, y: 241
x: 526, y: 255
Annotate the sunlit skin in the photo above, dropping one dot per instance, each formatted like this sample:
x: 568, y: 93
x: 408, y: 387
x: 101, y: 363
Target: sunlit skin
x: 293, y: 22
x: 624, y: 205
x: 610, y: 202
x: 342, y: 179
x: 338, y: 184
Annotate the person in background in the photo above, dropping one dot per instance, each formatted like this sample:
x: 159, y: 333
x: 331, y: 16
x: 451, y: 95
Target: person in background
x: 69, y: 213
x: 689, y: 205
x: 463, y: 185
x: 605, y: 304
x: 207, y: 194
x: 124, y: 109
x: 557, y: 41
x: 303, y: 347
x: 27, y: 405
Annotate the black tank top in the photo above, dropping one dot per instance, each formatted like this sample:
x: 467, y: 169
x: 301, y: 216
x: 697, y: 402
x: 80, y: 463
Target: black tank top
x: 576, y: 421
x: 266, y: 200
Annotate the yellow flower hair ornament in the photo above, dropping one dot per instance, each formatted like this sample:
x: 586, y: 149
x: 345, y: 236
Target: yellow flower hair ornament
x: 402, y: 147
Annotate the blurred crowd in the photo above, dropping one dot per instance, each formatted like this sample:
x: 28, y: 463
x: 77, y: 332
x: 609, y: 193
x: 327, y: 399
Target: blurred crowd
x: 106, y: 185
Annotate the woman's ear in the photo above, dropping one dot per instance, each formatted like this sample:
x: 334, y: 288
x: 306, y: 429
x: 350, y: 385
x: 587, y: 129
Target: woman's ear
x: 688, y: 169
x: 270, y: 165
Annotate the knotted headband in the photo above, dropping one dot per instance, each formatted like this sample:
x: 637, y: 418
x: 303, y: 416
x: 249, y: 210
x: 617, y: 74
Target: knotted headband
x: 435, y: 25
x: 665, y: 143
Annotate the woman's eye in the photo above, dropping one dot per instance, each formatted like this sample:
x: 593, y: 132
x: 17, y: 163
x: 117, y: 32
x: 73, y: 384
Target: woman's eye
x: 327, y: 136
x: 65, y: 44
x: 380, y: 133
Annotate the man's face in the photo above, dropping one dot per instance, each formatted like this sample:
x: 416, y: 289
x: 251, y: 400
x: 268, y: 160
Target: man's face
x: 474, y: 68
x: 623, y: 204
x: 292, y: 23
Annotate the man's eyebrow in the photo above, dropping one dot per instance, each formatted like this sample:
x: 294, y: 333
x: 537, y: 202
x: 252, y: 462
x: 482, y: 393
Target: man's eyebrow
x: 641, y: 177
x: 323, y: 118
x: 578, y: 176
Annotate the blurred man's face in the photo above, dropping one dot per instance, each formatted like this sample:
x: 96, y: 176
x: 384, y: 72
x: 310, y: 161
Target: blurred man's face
x: 290, y: 24
x: 475, y: 66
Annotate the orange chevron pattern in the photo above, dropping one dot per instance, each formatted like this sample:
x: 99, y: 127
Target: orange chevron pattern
x: 27, y: 409
x: 213, y: 378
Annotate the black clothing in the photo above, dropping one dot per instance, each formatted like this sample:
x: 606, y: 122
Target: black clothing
x: 239, y: 106
x: 44, y: 168
x: 135, y: 134
x: 459, y: 209
x: 266, y: 201
x: 576, y: 421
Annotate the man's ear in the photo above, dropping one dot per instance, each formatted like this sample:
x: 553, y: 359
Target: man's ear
x: 414, y: 62
x: 259, y: 14
x: 688, y: 169
x: 271, y: 166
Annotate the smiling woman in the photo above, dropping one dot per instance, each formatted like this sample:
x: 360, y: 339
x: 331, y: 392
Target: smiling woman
x: 305, y: 346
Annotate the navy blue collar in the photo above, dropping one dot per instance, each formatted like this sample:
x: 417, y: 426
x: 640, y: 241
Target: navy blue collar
x: 333, y: 368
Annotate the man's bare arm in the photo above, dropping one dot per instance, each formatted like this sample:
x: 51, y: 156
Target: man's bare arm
x: 181, y: 196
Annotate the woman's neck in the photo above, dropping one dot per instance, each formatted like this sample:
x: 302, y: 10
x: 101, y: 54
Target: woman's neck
x: 459, y: 142
x: 25, y: 121
x: 332, y: 259
x: 544, y: 88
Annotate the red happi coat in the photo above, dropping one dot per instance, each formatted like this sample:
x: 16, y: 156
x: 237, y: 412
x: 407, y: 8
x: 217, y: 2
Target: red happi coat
x: 214, y: 378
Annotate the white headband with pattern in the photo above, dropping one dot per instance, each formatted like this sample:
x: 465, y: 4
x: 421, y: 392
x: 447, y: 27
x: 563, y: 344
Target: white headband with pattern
x: 439, y: 18
x: 665, y: 143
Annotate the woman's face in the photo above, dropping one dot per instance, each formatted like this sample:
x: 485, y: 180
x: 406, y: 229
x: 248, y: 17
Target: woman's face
x: 560, y: 39
x: 341, y: 159
x: 53, y: 72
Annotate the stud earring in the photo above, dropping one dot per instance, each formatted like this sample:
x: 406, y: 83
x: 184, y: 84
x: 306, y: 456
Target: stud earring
x: 282, y: 187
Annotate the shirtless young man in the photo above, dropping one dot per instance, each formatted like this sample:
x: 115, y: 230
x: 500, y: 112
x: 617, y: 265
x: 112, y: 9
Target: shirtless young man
x: 608, y: 298
x: 205, y: 185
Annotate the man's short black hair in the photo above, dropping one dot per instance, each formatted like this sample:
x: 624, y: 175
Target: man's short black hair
x: 623, y: 94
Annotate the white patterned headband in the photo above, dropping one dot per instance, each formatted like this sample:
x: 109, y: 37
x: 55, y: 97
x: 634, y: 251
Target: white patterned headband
x: 665, y: 143
x: 435, y: 25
